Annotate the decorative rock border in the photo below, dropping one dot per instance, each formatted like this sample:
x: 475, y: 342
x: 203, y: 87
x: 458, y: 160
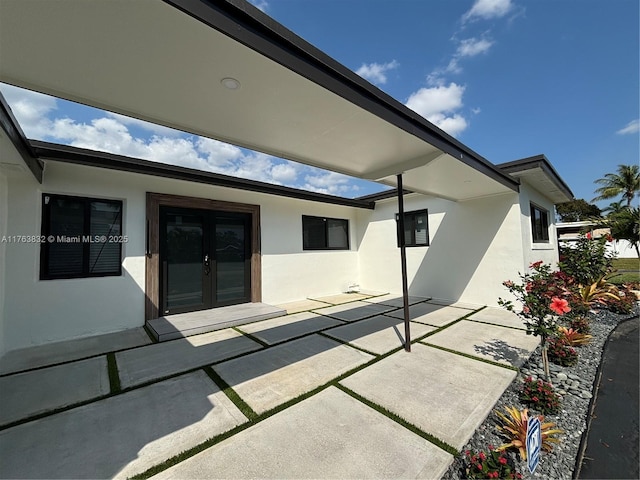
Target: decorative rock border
x: 575, y: 385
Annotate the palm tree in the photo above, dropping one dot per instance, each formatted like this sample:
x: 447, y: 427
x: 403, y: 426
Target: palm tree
x: 626, y: 183
x: 614, y: 207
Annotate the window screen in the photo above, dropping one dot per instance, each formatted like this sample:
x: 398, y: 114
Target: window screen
x: 319, y: 233
x: 539, y: 224
x: 82, y: 237
x: 416, y: 228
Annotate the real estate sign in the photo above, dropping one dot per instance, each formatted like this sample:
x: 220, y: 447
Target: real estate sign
x: 534, y: 442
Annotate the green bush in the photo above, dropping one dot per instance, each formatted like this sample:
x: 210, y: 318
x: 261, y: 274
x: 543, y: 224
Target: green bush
x: 540, y: 396
x: 586, y: 260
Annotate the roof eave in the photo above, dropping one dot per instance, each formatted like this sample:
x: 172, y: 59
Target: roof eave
x: 80, y: 156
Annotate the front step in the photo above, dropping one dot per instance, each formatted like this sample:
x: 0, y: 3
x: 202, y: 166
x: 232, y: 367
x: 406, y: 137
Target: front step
x: 203, y: 321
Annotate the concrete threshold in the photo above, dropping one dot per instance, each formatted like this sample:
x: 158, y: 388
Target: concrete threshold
x: 203, y: 321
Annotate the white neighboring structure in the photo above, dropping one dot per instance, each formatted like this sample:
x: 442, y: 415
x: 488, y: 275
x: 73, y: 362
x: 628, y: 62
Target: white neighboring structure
x: 570, y: 231
x: 469, y: 224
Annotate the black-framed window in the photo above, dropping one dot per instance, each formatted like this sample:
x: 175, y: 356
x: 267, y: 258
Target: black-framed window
x: 321, y: 233
x: 416, y: 228
x: 81, y: 237
x: 539, y: 224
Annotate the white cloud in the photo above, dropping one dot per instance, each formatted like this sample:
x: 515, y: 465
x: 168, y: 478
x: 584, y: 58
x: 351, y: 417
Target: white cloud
x: 439, y: 105
x: 632, y: 127
x: 331, y: 183
x: 260, y: 4
x: 487, y: 9
x: 150, y: 127
x: 376, y: 72
x: 30, y: 109
x: 473, y: 46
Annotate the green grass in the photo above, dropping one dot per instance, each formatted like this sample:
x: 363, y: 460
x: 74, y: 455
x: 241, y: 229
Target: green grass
x: 621, y: 278
x: 627, y: 264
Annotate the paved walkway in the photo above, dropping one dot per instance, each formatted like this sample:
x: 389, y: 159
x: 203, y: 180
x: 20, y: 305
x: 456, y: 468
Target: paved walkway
x: 323, y: 393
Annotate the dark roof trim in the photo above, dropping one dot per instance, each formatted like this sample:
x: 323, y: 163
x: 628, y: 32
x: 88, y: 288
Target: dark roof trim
x: 390, y: 193
x: 12, y: 128
x: 248, y: 25
x: 537, y: 161
x: 81, y: 156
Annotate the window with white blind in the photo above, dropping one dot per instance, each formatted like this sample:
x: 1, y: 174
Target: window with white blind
x: 81, y: 237
x: 416, y: 228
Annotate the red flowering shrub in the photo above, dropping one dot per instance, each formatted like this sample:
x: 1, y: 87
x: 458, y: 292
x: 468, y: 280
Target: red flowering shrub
x: 540, y: 396
x: 492, y: 464
x: 561, y: 353
x: 581, y: 324
x: 542, y: 295
x: 623, y: 303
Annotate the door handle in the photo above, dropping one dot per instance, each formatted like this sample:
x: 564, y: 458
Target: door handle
x: 206, y: 264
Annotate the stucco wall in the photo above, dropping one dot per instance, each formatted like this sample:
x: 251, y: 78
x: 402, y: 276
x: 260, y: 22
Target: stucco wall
x: 38, y: 311
x: 533, y: 252
x: 474, y: 247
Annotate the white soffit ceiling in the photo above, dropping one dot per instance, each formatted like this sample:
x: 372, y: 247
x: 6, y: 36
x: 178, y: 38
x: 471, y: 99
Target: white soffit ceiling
x: 148, y: 60
x: 539, y: 180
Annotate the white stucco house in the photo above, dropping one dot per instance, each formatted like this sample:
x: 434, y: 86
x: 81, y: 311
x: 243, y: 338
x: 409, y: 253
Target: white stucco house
x: 95, y: 243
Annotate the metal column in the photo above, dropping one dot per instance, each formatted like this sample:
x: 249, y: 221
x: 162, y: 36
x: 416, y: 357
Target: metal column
x: 403, y: 261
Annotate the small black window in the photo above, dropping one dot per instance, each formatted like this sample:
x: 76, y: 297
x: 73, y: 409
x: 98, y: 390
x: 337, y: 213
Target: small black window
x: 82, y: 237
x: 539, y: 224
x: 319, y: 233
x: 416, y: 228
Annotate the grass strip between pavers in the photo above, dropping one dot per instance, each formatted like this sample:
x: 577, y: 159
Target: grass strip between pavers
x: 472, y: 357
x: 246, y: 410
x: 269, y: 413
x: 398, y: 419
x: 250, y: 336
x: 114, y: 377
x: 181, y: 457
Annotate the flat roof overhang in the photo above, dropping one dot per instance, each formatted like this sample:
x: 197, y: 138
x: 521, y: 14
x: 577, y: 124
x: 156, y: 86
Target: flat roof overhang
x: 163, y: 62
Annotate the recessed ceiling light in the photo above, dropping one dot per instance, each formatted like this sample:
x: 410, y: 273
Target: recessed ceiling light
x: 230, y: 83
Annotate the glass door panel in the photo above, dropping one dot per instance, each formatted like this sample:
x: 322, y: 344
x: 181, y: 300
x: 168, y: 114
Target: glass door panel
x: 232, y: 259
x: 183, y: 264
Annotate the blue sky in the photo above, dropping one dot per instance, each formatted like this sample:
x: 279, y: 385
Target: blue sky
x: 508, y: 78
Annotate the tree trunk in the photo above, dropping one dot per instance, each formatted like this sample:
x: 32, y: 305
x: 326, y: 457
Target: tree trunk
x: 545, y: 360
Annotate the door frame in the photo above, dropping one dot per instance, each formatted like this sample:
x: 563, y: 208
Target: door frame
x: 152, y: 249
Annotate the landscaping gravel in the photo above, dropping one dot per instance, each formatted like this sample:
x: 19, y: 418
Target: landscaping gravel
x: 576, y: 386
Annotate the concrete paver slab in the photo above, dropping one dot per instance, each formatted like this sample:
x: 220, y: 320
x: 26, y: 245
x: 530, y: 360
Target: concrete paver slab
x: 301, y: 306
x: 122, y: 435
x: 284, y: 328
x: 444, y: 394
x: 341, y: 298
x: 330, y: 435
x: 457, y: 304
x: 431, y: 314
x: 498, y: 316
x: 58, y: 352
x: 393, y: 300
x: 353, y: 311
x: 29, y: 393
x: 275, y: 375
x: 160, y: 360
x: 498, y: 344
x: 379, y: 334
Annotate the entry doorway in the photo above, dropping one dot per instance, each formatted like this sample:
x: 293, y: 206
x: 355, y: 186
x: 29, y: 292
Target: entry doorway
x: 205, y: 259
x: 201, y: 254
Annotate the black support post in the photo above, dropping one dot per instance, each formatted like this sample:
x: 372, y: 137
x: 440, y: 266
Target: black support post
x: 403, y: 261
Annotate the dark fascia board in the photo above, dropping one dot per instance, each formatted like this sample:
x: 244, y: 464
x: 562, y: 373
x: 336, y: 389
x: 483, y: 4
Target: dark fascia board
x: 12, y: 128
x: 541, y: 162
x: 81, y: 156
x: 246, y: 24
x: 390, y: 193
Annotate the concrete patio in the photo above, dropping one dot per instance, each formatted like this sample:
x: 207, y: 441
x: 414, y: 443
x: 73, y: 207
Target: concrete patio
x: 324, y: 394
